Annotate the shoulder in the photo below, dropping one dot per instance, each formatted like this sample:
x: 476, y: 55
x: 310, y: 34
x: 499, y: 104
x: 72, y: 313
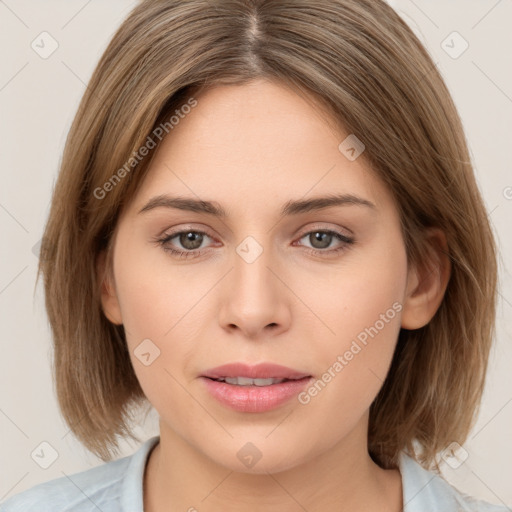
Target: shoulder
x: 80, y: 491
x: 424, y: 491
x: 93, y: 489
x: 106, y: 487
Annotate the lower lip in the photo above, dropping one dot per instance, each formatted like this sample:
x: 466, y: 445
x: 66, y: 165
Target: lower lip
x: 255, y: 398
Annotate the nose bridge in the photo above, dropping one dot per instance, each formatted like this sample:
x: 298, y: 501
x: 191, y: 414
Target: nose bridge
x: 251, y: 275
x: 256, y: 297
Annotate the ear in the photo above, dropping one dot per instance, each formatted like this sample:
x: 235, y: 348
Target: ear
x: 426, y: 282
x: 109, y: 301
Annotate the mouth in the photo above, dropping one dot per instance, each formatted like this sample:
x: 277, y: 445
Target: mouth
x: 255, y: 389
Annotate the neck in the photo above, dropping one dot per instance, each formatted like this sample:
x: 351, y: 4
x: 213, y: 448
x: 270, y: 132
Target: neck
x: 342, y: 478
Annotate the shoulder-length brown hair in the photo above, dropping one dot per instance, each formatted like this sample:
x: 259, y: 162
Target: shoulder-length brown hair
x: 369, y: 71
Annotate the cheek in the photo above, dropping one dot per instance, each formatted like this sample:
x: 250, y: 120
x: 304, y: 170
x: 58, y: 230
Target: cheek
x: 365, y: 292
x: 156, y: 303
x: 156, y: 297
x: 363, y: 307
x: 156, y: 309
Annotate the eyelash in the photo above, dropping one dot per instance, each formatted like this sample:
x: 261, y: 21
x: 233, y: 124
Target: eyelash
x: 347, y: 241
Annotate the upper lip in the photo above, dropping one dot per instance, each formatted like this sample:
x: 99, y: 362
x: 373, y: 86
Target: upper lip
x: 259, y: 371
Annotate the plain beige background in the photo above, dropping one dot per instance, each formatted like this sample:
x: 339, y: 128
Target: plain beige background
x: 38, y: 99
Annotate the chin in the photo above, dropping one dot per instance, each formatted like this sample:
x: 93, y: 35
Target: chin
x: 258, y: 458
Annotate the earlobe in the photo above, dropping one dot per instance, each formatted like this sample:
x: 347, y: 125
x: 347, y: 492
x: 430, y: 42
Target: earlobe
x: 109, y: 301
x: 427, y: 282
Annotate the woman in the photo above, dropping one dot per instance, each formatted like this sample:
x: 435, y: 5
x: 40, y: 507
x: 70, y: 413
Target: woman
x: 266, y: 226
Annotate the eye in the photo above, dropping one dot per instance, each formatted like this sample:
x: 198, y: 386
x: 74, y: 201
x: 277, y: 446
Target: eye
x: 321, y: 240
x: 191, y: 241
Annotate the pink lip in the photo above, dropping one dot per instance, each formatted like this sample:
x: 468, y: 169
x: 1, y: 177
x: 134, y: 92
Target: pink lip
x: 255, y: 398
x: 259, y: 371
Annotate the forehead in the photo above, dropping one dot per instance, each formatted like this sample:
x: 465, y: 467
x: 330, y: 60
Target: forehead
x: 255, y: 144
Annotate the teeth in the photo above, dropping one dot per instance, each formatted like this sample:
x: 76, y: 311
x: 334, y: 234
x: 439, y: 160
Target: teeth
x: 245, y: 381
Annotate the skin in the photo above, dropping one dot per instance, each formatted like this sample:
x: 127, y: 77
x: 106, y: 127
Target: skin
x: 252, y: 148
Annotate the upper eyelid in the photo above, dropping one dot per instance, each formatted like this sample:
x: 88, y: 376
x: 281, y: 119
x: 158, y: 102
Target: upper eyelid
x: 302, y: 233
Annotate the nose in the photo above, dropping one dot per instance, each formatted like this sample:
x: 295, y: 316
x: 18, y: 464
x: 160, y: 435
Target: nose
x: 255, y: 299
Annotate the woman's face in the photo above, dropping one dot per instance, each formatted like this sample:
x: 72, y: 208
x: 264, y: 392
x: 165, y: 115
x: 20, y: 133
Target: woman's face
x: 259, y: 286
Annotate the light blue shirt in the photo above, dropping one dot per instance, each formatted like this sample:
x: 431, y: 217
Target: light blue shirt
x: 117, y: 487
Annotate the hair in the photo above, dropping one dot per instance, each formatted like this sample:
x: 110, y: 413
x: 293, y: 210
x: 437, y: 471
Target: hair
x: 362, y: 64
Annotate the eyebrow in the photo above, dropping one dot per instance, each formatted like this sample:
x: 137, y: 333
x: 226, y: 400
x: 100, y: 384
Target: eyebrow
x: 292, y: 207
